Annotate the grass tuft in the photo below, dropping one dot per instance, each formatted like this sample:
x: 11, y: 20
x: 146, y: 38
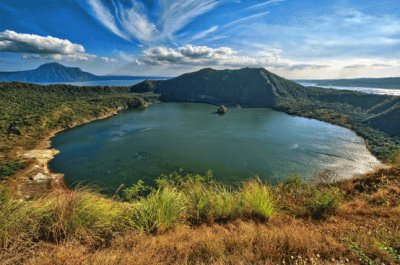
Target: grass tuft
x: 160, y: 210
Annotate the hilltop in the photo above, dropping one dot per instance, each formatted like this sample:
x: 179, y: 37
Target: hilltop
x: 55, y: 72
x: 375, y: 117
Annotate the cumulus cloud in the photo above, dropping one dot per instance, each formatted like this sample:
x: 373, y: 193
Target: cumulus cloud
x: 39, y: 47
x: 190, y: 55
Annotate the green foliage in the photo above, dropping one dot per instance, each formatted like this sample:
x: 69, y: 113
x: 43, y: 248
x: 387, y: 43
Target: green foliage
x: 362, y: 257
x: 321, y: 204
x: 135, y: 192
x: 4, y: 195
x: 257, y: 200
x: 180, y: 180
x: 391, y: 251
x: 27, y: 112
x: 160, y: 210
x: 60, y: 216
x: 209, y: 203
x: 9, y: 168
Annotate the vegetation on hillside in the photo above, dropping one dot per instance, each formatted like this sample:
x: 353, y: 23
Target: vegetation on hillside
x: 28, y: 112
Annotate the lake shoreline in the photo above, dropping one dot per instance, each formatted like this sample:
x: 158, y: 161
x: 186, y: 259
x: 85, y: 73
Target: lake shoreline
x: 38, y: 177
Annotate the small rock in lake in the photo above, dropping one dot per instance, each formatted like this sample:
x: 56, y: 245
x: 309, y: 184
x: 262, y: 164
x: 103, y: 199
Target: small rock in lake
x: 222, y: 110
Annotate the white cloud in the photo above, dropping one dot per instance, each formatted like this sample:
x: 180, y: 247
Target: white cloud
x: 178, y: 13
x: 190, y: 55
x: 266, y: 3
x: 130, y: 20
x: 39, y: 47
x: 106, y: 18
x: 247, y: 18
x: 204, y: 33
x: 136, y: 23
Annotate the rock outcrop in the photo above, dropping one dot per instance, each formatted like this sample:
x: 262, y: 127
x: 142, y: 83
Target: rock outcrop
x: 222, y: 110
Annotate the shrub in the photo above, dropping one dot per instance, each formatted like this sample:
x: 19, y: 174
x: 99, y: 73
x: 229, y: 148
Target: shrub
x: 10, y: 168
x: 321, y: 205
x: 135, y: 192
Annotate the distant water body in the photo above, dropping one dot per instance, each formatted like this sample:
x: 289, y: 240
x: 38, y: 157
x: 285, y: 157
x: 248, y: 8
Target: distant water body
x: 105, y: 82
x: 142, y: 144
x: 368, y: 90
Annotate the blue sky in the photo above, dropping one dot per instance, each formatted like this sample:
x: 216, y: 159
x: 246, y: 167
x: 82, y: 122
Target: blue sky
x: 293, y: 38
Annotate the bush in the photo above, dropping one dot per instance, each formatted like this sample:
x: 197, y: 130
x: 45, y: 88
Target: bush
x: 321, y: 205
x: 10, y: 168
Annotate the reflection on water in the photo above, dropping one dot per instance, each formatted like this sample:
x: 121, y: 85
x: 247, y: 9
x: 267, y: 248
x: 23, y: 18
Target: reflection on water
x: 368, y: 90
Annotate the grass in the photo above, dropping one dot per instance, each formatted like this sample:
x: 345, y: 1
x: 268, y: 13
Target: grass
x: 160, y: 210
x: 61, y: 216
x: 194, y: 220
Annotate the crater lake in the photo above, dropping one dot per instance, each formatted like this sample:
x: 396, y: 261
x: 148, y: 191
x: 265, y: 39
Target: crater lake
x: 246, y: 142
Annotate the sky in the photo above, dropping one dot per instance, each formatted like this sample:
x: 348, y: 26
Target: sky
x: 297, y: 39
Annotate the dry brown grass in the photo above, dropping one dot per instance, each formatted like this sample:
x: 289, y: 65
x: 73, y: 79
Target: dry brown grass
x: 364, y: 229
x: 237, y: 243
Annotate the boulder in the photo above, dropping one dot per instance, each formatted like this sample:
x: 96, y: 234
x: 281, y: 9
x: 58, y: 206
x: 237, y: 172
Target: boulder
x: 222, y: 110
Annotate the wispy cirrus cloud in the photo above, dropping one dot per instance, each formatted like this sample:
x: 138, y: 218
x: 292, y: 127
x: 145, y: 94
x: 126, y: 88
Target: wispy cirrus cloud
x: 130, y: 19
x: 204, y: 33
x: 38, y: 47
x: 176, y: 14
x: 126, y: 21
x: 264, y: 4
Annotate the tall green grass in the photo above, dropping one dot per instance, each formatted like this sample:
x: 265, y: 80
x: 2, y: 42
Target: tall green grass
x: 62, y: 215
x: 88, y: 216
x: 160, y: 210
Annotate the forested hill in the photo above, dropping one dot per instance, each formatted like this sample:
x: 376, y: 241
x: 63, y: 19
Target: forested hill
x: 246, y: 87
x: 55, y: 72
x: 387, y: 82
x: 375, y: 117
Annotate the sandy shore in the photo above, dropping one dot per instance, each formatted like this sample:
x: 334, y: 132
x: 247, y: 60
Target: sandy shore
x: 38, y: 177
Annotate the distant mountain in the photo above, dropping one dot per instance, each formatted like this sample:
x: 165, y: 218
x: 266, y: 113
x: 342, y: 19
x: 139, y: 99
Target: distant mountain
x: 55, y: 72
x: 387, y: 82
x: 371, y: 116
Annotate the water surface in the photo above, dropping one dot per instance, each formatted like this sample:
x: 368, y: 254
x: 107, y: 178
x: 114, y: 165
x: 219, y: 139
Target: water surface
x: 142, y: 144
x: 368, y: 90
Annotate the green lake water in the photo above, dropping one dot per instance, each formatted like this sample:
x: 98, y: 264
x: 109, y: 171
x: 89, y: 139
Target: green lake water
x: 142, y: 144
